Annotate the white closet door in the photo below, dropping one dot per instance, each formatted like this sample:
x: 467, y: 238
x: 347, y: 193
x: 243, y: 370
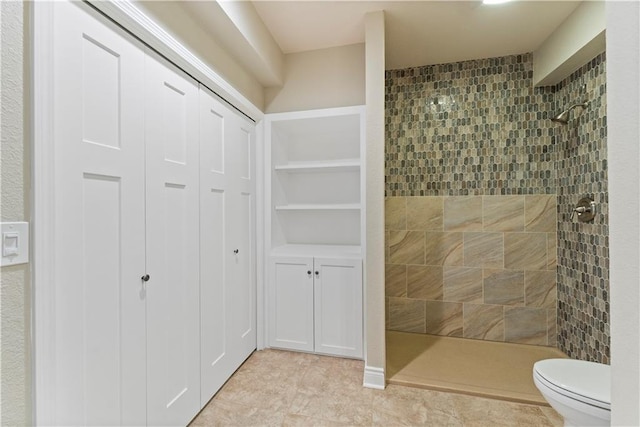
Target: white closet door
x: 217, y: 358
x: 98, y: 222
x: 227, y: 282
x: 173, y: 307
x: 240, y: 223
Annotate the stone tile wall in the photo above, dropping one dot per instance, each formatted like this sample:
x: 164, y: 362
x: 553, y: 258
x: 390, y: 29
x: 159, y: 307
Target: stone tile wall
x: 583, y: 248
x: 480, y: 267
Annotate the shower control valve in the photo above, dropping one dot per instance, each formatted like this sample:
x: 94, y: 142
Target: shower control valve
x: 586, y: 210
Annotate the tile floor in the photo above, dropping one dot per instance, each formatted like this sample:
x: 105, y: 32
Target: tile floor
x: 279, y: 388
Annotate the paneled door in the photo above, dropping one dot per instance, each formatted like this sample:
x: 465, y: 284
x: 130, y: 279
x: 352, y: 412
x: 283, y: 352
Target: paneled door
x: 240, y: 223
x: 227, y: 282
x: 172, y: 250
x: 216, y: 351
x: 99, y: 256
x: 291, y: 303
x: 338, y: 306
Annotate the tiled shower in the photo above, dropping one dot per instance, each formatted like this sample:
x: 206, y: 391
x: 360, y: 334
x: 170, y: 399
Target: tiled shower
x: 480, y: 185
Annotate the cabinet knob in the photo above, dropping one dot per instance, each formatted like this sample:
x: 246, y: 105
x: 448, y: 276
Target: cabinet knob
x: 235, y: 251
x: 309, y: 272
x: 145, y: 278
x: 317, y: 273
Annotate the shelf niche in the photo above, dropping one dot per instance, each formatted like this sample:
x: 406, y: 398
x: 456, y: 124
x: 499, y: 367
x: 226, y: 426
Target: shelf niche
x: 316, y: 178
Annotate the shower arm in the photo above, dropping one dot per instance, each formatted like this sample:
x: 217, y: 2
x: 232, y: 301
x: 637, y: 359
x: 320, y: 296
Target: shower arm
x: 584, y: 104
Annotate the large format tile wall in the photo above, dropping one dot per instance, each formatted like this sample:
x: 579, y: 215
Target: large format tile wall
x: 480, y: 267
x: 583, y: 248
x: 471, y: 205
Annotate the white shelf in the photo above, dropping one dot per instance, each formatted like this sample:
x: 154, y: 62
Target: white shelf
x: 324, y: 207
x: 315, y: 189
x: 338, y: 251
x: 346, y: 165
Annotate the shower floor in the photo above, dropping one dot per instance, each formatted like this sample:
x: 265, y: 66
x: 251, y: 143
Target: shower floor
x: 481, y: 368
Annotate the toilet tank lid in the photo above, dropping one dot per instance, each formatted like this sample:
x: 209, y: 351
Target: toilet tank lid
x: 588, y: 379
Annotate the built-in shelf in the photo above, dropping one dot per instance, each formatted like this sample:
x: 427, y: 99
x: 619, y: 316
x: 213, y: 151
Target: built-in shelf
x: 315, y: 180
x: 346, y: 165
x: 323, y: 207
x: 341, y: 251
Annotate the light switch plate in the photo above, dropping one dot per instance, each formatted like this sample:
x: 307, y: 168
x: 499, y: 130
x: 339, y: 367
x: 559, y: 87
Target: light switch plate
x: 14, y: 239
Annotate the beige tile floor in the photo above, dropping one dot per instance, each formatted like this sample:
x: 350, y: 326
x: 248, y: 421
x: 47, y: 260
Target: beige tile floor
x: 482, y: 368
x: 279, y: 388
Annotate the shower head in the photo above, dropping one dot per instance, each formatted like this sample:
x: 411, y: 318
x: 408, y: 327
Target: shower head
x: 563, y: 117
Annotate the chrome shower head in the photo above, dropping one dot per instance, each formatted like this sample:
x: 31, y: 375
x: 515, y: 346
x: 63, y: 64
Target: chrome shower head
x: 563, y: 118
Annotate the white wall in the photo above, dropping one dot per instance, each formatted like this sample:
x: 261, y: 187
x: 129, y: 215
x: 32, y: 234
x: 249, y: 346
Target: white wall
x: 577, y: 40
x: 173, y: 18
x: 15, y: 359
x: 321, y: 78
x: 374, y: 267
x: 623, y: 139
x: 246, y: 19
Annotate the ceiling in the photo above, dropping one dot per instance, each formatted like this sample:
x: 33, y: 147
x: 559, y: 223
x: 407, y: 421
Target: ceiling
x: 417, y: 32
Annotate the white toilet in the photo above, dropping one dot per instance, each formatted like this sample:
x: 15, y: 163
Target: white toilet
x: 580, y: 391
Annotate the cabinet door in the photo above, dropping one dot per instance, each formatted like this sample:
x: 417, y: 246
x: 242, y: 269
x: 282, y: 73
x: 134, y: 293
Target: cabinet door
x: 291, y: 303
x: 338, y: 306
x: 173, y: 305
x: 98, y: 222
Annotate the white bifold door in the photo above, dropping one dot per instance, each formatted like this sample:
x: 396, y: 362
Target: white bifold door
x: 172, y: 237
x: 99, y: 223
x: 154, y: 256
x: 227, y: 301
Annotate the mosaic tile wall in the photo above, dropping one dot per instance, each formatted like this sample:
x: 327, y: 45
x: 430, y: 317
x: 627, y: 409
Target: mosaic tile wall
x: 469, y: 128
x: 583, y: 248
x: 481, y: 267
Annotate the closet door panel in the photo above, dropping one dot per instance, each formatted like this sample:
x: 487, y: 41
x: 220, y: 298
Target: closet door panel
x: 173, y: 306
x: 217, y: 356
x: 241, y: 220
x: 98, y: 222
x: 227, y: 242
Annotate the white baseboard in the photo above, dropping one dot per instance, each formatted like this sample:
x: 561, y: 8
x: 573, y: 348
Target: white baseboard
x: 373, y: 378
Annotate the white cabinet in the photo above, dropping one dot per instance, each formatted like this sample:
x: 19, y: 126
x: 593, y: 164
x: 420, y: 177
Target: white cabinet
x: 316, y: 305
x: 153, y: 214
x: 338, y: 306
x: 291, y: 303
x: 315, y: 217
